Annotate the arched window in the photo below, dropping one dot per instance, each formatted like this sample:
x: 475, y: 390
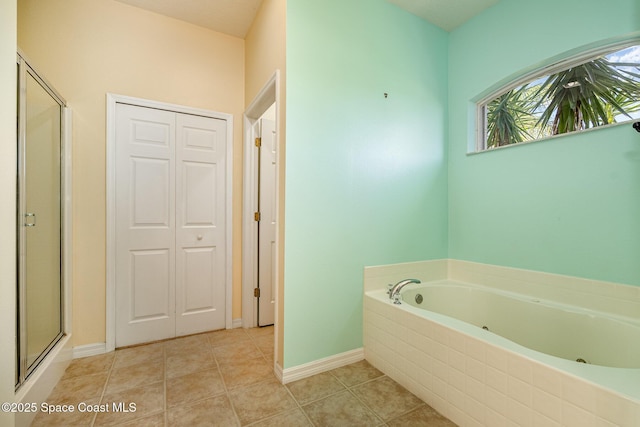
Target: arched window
x: 597, y: 89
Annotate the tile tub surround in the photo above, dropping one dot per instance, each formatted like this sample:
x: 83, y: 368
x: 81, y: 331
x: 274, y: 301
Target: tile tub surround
x: 613, y: 298
x: 225, y: 378
x: 474, y: 382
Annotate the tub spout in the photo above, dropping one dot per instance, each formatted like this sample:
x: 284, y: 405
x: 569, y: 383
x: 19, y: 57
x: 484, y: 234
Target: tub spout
x: 394, y: 292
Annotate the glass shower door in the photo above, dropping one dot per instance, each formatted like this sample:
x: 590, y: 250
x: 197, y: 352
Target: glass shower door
x: 39, y: 221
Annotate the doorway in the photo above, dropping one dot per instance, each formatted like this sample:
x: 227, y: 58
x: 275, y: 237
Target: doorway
x: 169, y: 233
x: 260, y: 212
x: 267, y: 147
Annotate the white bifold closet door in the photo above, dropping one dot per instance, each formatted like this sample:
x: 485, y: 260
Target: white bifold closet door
x: 170, y: 224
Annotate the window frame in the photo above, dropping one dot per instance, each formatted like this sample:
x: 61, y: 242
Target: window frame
x: 555, y: 65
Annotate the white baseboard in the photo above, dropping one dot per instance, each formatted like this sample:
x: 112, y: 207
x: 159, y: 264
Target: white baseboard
x: 89, y: 350
x: 277, y: 370
x: 321, y: 365
x: 236, y: 323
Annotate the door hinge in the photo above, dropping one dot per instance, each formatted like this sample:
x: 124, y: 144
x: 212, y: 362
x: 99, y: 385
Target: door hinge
x: 256, y: 216
x: 256, y: 292
x: 258, y: 142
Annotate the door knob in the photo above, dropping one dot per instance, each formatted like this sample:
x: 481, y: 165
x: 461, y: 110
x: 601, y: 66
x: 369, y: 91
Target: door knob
x: 199, y: 236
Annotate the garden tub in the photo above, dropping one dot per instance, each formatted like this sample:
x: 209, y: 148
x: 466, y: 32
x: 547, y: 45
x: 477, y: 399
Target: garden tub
x: 483, y: 356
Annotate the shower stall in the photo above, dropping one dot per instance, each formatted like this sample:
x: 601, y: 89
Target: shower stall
x: 42, y: 228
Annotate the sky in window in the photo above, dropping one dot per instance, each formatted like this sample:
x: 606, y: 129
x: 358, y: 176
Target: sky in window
x: 630, y: 54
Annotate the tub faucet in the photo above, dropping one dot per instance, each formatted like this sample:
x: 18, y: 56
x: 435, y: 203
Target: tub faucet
x: 394, y: 290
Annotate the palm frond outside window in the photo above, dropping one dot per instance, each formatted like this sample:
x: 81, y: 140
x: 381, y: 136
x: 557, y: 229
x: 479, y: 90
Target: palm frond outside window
x: 601, y: 91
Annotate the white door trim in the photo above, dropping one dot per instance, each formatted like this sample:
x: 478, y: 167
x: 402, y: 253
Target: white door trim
x: 268, y: 95
x: 112, y: 100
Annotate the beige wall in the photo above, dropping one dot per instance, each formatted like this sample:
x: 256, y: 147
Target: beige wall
x: 265, y: 53
x: 265, y: 48
x: 88, y: 48
x: 8, y: 157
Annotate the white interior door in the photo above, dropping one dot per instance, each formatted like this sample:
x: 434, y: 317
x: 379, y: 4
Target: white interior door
x: 170, y: 204
x: 267, y: 225
x: 145, y: 224
x: 200, y: 238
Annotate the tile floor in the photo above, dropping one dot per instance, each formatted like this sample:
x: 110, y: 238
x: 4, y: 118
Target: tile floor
x: 225, y: 378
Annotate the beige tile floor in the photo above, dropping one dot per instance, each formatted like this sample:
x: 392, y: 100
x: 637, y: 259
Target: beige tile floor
x: 225, y: 378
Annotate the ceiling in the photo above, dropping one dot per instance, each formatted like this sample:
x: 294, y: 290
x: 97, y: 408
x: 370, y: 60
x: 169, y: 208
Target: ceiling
x: 234, y: 17
x: 446, y: 14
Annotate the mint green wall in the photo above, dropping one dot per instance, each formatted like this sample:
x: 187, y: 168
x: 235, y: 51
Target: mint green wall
x: 570, y: 205
x: 366, y: 178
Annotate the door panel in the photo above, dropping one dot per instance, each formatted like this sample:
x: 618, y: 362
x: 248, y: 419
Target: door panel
x: 41, y: 221
x: 145, y: 224
x: 150, y: 285
x: 200, y: 231
x: 267, y: 225
x: 199, y: 189
x: 150, y: 132
x: 150, y: 192
x: 198, y: 275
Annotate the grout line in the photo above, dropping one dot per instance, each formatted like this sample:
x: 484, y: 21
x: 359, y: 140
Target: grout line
x: 300, y: 408
x: 164, y: 382
x: 226, y: 391
x: 353, y: 387
x: 104, y: 388
x: 321, y: 398
x: 362, y: 402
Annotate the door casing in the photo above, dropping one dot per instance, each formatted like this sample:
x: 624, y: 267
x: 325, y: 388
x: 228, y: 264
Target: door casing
x: 112, y: 100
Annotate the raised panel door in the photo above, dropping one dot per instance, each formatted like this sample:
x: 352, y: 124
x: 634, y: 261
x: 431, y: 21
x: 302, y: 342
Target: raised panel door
x: 145, y: 224
x: 200, y: 231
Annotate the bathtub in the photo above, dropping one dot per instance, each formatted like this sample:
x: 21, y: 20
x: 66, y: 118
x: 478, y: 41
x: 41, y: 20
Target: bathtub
x: 555, y: 329
x: 487, y: 357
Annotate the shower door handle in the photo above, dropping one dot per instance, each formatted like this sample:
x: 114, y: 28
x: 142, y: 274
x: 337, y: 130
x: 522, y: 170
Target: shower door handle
x: 30, y: 219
